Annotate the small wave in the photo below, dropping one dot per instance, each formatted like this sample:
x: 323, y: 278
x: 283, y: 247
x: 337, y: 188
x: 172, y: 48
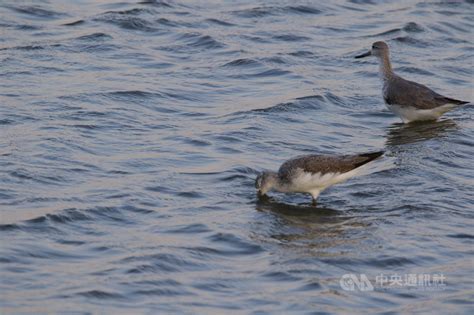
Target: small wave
x: 167, y: 22
x: 47, y: 252
x: 461, y: 236
x: 412, y: 27
x: 228, y: 138
x: 67, y: 216
x: 190, y: 194
x: 243, y: 62
x: 238, y: 173
x: 364, y: 1
x: 255, y: 39
x: 258, y: 12
x: 49, y: 222
x: 232, y: 245
x: 263, y: 74
x: 219, y: 22
x: 303, y: 53
x: 152, y: 269
x: 87, y: 126
x: 39, y: 225
x: 109, y: 214
x: 23, y: 27
x: 134, y: 11
x: 26, y: 48
x: 161, y: 189
x: 37, y: 11
x: 228, y: 150
x: 100, y: 294
x: 275, y: 59
x: 25, y: 175
x: 162, y: 292
x: 391, y: 262
x: 165, y: 287
x: 127, y: 20
x: 159, y: 263
x: 411, y: 41
x: 196, y: 142
x: 311, y: 97
x: 200, y: 41
x: 233, y: 177
x: 282, y: 107
x: 302, y: 9
x: 95, y: 37
x: 133, y: 209
x: 26, y: 27
x: 74, y: 23
x: 221, y: 286
x: 157, y: 3
x: 299, y: 104
x: 334, y: 99
x: 140, y: 97
x: 280, y: 276
x: 291, y: 38
x: 133, y: 94
x: 9, y: 227
x: 190, y: 229
x: 391, y: 31
x: 313, y: 285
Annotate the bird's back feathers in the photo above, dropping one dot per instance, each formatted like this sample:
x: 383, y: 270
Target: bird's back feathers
x: 325, y: 164
x: 405, y: 93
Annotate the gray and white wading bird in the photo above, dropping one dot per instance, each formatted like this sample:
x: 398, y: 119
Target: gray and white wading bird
x: 313, y: 173
x: 409, y: 100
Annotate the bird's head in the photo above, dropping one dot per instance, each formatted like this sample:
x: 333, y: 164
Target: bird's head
x: 265, y: 182
x: 379, y: 49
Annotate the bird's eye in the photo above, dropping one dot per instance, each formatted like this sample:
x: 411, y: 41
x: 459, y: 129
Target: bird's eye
x: 374, y: 47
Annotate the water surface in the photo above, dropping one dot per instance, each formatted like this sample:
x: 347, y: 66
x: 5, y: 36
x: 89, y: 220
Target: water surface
x: 131, y: 133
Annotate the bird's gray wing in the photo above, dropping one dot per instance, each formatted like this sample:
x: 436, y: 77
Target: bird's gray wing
x: 325, y: 164
x: 408, y: 93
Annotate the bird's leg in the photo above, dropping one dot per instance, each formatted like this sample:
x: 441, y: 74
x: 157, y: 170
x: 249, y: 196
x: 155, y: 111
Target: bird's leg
x: 314, y: 195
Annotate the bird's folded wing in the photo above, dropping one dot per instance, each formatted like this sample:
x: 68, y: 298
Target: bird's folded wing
x: 402, y: 92
x: 325, y: 164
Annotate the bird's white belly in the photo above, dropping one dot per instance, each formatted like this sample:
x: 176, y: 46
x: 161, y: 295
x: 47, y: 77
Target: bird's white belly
x: 310, y: 182
x: 409, y: 113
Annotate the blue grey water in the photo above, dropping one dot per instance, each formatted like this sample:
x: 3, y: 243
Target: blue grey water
x: 131, y: 133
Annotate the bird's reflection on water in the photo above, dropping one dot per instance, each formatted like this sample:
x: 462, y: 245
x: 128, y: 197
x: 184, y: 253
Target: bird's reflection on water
x: 316, y: 230
x: 269, y: 204
x: 400, y: 134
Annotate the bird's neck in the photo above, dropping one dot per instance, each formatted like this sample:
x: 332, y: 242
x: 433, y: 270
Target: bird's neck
x: 278, y: 184
x: 385, y: 68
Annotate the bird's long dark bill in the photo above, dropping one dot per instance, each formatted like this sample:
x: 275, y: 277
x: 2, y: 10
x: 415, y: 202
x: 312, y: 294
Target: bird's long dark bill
x: 363, y: 55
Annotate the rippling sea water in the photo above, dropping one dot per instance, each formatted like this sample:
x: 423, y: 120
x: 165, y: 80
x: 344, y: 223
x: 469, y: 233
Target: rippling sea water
x: 131, y: 133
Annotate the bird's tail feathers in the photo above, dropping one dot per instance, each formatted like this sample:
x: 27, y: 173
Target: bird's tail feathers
x: 452, y: 100
x: 369, y: 157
